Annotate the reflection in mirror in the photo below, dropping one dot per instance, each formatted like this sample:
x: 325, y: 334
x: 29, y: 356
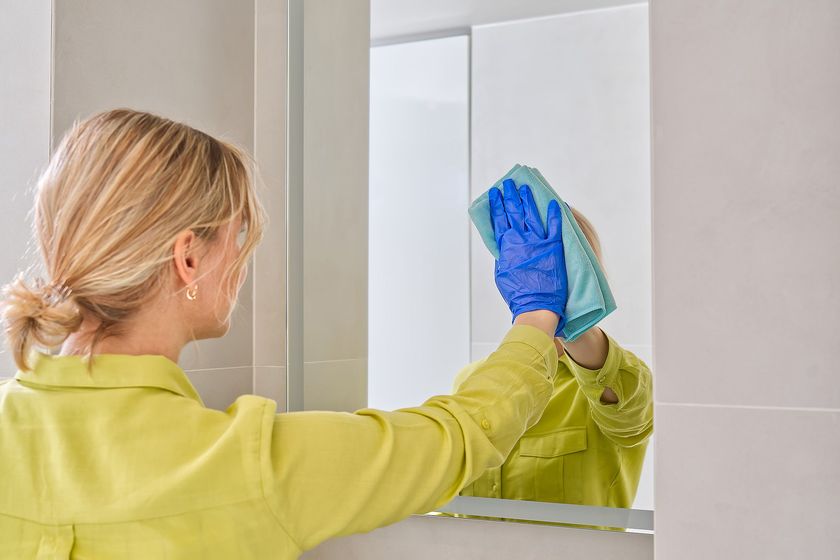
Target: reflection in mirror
x: 566, y: 93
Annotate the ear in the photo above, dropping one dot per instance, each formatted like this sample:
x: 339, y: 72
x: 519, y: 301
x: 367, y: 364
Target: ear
x: 185, y: 257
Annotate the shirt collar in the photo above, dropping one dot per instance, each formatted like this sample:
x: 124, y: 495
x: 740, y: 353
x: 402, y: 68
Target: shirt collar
x: 109, y: 371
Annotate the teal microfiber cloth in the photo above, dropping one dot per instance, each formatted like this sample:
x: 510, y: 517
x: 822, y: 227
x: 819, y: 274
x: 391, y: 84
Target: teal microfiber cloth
x: 590, y: 298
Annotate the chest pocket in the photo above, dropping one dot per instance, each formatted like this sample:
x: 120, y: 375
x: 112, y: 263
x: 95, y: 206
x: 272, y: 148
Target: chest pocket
x: 552, y: 465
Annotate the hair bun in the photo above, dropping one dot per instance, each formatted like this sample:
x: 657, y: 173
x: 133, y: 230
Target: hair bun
x: 43, y: 316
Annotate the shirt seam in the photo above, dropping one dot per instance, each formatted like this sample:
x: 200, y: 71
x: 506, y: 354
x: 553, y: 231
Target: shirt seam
x: 265, y: 457
x: 132, y: 520
x: 549, y: 376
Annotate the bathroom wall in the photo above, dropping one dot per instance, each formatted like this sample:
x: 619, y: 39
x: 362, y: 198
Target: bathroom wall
x: 335, y: 204
x: 217, y: 65
x: 24, y: 131
x: 746, y: 207
x: 191, y: 61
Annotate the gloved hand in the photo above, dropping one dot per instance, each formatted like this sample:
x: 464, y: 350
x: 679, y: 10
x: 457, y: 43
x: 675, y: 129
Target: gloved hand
x: 531, y: 269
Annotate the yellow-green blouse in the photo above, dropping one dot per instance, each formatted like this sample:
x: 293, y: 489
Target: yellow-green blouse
x: 122, y: 460
x: 581, y: 451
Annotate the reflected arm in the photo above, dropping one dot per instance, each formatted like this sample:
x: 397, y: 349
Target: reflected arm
x: 619, y: 388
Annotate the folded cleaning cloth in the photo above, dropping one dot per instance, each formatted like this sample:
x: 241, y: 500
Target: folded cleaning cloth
x: 590, y: 298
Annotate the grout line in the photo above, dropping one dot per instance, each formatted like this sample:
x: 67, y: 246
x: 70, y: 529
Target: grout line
x: 216, y: 369
x: 335, y: 361
x: 749, y: 407
x: 390, y: 40
x: 571, y: 13
x: 253, y: 259
x: 470, y: 275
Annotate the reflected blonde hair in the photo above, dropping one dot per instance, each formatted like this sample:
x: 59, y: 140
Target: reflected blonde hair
x: 591, y: 235
x: 116, y: 193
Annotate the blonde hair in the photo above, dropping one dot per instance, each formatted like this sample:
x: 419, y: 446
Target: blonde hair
x: 115, y: 195
x: 591, y: 235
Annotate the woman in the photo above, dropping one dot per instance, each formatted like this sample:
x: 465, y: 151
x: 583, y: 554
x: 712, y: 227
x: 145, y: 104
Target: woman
x: 589, y: 445
x: 145, y: 227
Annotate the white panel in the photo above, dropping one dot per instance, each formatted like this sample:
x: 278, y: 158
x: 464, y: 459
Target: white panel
x: 24, y: 129
x: 419, y: 241
x: 570, y: 96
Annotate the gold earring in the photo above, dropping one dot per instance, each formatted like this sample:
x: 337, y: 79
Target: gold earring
x: 192, y: 293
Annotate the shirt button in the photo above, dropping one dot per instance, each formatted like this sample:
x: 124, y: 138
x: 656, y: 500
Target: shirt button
x: 602, y: 379
x: 485, y: 424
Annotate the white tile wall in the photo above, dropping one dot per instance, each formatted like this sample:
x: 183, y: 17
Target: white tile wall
x: 746, y: 213
x: 24, y: 131
x: 760, y: 481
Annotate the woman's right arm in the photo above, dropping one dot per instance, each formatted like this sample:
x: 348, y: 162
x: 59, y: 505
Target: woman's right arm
x: 338, y: 473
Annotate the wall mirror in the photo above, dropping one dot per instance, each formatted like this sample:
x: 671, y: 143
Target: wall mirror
x: 459, y: 93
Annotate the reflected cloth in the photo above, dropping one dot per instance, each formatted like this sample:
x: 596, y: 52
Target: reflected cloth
x: 590, y: 298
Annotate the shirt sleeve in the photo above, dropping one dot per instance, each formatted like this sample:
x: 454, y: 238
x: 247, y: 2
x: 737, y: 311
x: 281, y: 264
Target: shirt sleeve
x: 338, y: 473
x: 629, y: 422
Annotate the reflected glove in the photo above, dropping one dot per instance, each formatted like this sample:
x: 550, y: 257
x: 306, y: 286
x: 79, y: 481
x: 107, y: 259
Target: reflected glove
x: 531, y: 269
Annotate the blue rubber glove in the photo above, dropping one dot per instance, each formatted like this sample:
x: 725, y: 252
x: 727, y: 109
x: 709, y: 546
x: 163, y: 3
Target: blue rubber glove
x: 531, y: 269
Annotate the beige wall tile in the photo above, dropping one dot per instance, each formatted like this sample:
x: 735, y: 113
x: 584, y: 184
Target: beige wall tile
x: 336, y: 179
x: 746, y: 483
x: 335, y: 385
x: 270, y: 381
x: 232, y: 350
x: 191, y: 61
x: 746, y: 205
x: 220, y: 387
x: 270, y: 150
x: 422, y: 537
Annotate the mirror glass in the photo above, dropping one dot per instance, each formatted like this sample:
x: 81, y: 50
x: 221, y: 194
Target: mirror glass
x: 460, y: 92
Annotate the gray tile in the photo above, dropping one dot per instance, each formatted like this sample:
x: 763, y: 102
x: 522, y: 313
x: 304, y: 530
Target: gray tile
x: 422, y: 537
x: 336, y: 181
x: 235, y: 349
x: 335, y: 385
x: 746, y: 204
x: 192, y: 61
x: 220, y: 387
x: 270, y: 152
x: 762, y: 482
x: 270, y: 381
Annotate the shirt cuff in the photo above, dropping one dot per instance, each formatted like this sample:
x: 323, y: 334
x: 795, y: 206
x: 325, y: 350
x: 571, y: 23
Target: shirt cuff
x: 536, y: 340
x: 603, y: 377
